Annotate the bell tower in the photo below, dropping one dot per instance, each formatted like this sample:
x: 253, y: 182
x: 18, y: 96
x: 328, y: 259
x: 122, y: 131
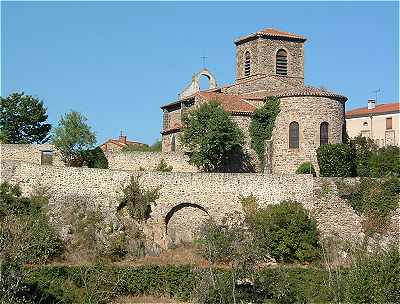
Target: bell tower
x: 270, y: 52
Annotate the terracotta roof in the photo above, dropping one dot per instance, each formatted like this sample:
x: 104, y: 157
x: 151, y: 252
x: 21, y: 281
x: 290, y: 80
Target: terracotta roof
x: 121, y: 144
x: 296, y: 91
x: 230, y: 102
x: 270, y: 32
x: 379, y: 109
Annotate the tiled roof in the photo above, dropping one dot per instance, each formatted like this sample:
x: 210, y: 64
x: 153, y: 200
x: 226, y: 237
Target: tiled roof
x: 230, y: 102
x: 121, y: 144
x: 379, y: 109
x: 270, y: 32
x: 296, y: 91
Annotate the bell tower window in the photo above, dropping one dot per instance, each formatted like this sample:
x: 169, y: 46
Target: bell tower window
x: 281, y: 62
x: 247, y: 60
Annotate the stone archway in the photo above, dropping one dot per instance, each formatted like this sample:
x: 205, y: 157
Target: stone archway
x: 183, y: 222
x: 194, y: 86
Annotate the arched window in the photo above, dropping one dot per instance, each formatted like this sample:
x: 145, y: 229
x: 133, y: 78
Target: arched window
x: 173, y: 143
x: 281, y: 62
x: 247, y: 60
x: 294, y: 135
x: 323, y: 133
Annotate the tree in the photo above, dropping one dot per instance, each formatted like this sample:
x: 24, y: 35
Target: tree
x: 262, y: 125
x: 211, y: 138
x: 72, y: 137
x: 363, y: 149
x: 336, y: 160
x: 22, y: 120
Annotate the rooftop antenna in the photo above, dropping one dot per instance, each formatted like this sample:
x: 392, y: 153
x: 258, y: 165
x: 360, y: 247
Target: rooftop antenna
x: 204, y: 61
x: 376, y: 94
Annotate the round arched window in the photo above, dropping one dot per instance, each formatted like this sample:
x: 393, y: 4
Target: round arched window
x: 281, y: 62
x: 247, y: 63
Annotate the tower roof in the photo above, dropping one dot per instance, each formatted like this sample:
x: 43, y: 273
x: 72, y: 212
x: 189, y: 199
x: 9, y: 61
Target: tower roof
x: 271, y: 33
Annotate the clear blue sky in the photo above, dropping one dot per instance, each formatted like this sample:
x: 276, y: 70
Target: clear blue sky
x: 118, y: 62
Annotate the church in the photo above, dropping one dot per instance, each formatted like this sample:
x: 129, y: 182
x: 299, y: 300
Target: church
x: 269, y: 63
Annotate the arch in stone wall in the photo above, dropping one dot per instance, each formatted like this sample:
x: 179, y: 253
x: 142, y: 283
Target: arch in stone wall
x: 194, y: 86
x: 183, y: 221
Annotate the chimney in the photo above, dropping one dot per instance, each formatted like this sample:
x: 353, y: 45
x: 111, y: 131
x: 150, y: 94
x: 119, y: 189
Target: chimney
x: 122, y: 138
x: 371, y: 104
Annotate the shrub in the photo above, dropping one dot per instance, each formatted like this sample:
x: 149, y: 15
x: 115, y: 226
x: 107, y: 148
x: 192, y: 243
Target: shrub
x: 94, y: 158
x: 336, y: 160
x: 306, y: 168
x: 363, y: 148
x: 137, y: 199
x: 211, y: 138
x: 286, y: 232
x: 155, y: 147
x: 262, y: 125
x: 385, y: 162
x: 375, y: 199
x: 163, y: 167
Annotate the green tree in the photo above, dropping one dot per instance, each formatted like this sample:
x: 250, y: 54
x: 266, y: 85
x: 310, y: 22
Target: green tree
x: 72, y: 136
x: 262, y: 125
x: 385, y: 162
x: 211, y: 137
x: 336, y: 160
x: 23, y: 120
x: 363, y: 149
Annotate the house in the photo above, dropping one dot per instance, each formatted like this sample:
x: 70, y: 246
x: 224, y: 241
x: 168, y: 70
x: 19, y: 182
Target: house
x: 114, y: 145
x: 380, y: 122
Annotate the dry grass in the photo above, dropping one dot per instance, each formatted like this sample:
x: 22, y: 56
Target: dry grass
x: 143, y: 300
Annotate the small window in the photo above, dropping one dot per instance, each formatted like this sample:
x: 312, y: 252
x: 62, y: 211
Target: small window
x: 281, y: 62
x: 247, y: 62
x: 173, y: 143
x: 365, y: 124
x: 46, y: 158
x: 294, y: 135
x: 323, y: 133
x: 389, y: 123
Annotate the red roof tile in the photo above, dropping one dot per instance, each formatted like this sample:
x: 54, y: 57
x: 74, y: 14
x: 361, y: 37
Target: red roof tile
x: 230, y: 102
x: 379, y: 109
x: 270, y: 32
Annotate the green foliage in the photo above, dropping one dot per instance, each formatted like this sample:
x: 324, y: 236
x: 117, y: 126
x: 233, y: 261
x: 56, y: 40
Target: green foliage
x: 363, y: 148
x: 375, y: 198
x: 306, y: 168
x: 262, y: 125
x: 211, y: 138
x: 118, y: 249
x: 163, y: 166
x: 22, y: 120
x: 100, y: 283
x: 286, y: 232
x: 95, y: 158
x: 385, y: 162
x: 336, y: 160
x: 26, y: 226
x: 137, y: 199
x: 72, y: 136
x: 374, y: 278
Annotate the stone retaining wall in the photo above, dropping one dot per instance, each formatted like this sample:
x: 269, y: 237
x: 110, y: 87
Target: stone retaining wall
x: 187, y: 199
x: 148, y: 161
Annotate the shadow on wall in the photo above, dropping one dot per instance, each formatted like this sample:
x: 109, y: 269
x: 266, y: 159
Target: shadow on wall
x: 183, y: 222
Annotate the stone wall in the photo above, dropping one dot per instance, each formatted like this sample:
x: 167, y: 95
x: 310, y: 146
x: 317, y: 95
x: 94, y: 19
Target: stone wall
x: 309, y: 112
x: 29, y: 153
x: 148, y: 161
x: 188, y: 199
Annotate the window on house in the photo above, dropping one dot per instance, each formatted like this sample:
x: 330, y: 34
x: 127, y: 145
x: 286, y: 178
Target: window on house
x: 46, y: 158
x: 323, y: 133
x: 294, y: 135
x: 281, y: 62
x: 247, y: 60
x: 365, y: 124
x: 389, y: 123
x: 173, y: 143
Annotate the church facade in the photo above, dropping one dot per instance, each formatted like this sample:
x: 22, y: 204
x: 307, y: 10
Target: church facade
x: 268, y: 63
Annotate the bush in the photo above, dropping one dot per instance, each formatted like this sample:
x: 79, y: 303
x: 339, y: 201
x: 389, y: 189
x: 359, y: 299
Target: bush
x: 137, y: 199
x: 286, y: 232
x: 375, y: 199
x: 363, y: 148
x: 155, y: 147
x: 385, y: 162
x: 336, y: 160
x: 211, y: 138
x: 306, y: 168
x: 262, y: 125
x: 374, y: 278
x: 163, y: 167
